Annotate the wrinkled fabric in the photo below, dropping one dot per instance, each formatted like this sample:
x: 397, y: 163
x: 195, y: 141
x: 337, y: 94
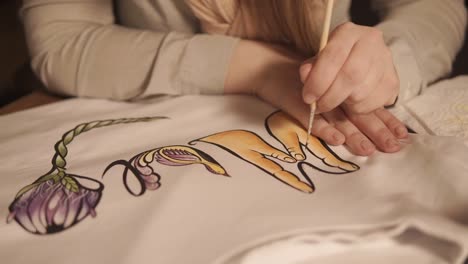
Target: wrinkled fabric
x: 215, y: 207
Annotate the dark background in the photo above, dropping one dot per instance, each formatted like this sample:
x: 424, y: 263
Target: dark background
x: 16, y: 78
x: 13, y: 53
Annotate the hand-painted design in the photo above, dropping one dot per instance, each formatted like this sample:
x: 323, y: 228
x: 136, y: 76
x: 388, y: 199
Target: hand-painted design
x: 250, y: 147
x: 293, y: 137
x: 50, y: 206
x: 57, y: 200
x: 140, y: 165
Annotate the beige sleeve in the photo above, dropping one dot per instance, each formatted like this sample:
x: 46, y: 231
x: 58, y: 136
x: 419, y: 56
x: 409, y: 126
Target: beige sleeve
x: 424, y: 36
x: 77, y: 49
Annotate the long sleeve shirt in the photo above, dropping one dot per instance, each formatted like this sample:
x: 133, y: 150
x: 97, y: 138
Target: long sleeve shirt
x: 128, y: 49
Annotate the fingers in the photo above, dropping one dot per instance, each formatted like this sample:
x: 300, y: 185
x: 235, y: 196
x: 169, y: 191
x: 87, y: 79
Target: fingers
x: 326, y: 131
x: 358, y: 76
x: 365, y: 132
x: 356, y: 67
x: 376, y: 130
x: 397, y: 127
x: 330, y: 60
x: 357, y: 142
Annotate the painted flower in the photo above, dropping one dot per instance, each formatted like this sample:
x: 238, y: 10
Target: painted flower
x: 150, y: 178
x: 54, y: 204
x: 178, y: 155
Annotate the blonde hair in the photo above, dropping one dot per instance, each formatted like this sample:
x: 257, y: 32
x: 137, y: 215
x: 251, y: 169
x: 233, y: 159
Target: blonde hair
x: 293, y: 22
x: 297, y: 23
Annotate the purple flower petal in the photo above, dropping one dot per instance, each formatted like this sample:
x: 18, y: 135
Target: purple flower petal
x: 50, y: 207
x: 167, y: 162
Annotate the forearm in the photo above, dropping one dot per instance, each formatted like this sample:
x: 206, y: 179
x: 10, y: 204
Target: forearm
x: 95, y: 61
x: 77, y: 50
x: 425, y: 36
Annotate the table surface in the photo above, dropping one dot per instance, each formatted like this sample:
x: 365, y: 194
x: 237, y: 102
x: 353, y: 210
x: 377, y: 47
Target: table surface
x: 34, y: 99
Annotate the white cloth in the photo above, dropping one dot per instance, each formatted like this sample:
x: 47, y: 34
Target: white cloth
x: 442, y: 110
x: 410, y: 206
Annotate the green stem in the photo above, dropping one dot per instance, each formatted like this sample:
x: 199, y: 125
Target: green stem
x: 61, y: 149
x: 58, y: 172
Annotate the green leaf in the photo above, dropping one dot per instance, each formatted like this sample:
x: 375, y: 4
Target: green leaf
x: 70, y: 184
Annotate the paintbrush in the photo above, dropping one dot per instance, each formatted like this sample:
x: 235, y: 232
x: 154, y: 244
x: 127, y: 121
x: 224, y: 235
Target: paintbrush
x: 323, y: 43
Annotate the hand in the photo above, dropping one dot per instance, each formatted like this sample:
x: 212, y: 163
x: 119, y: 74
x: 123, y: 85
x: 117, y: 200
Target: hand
x: 273, y: 77
x: 362, y: 133
x: 354, y: 70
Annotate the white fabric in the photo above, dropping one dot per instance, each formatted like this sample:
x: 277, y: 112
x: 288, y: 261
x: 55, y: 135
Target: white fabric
x: 410, y: 206
x: 441, y: 110
x: 313, y: 249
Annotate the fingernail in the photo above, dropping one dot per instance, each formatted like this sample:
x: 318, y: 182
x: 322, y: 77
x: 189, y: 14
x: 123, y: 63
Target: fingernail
x: 401, y: 132
x: 289, y: 159
x: 366, y: 145
x: 337, y: 137
x: 299, y: 157
x: 392, y: 143
x: 309, y: 98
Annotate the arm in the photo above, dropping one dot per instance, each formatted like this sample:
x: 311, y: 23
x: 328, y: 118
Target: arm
x: 76, y: 49
x: 424, y: 36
